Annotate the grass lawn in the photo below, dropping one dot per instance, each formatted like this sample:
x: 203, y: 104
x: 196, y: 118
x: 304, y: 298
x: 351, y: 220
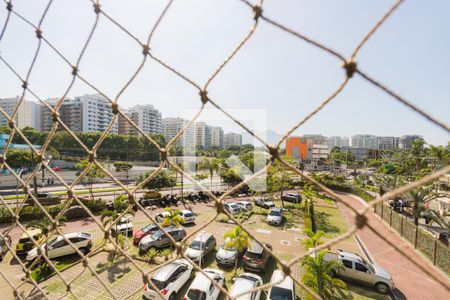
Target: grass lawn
x: 330, y: 220
x: 60, y: 265
x: 62, y: 193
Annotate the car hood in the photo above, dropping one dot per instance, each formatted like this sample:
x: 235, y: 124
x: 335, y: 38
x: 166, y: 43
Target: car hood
x: 139, y: 234
x: 124, y: 226
x: 192, y: 253
x: 226, y: 254
x: 146, y: 240
x: 274, y: 218
x: 33, y: 253
x: 379, y: 271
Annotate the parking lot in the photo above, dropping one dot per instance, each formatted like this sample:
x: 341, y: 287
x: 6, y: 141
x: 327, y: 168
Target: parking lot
x: 125, y: 280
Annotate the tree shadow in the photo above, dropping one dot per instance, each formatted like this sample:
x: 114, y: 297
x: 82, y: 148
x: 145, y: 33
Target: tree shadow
x: 323, y: 223
x: 115, y: 271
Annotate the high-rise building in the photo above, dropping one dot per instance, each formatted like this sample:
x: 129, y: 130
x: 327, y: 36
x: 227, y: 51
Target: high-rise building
x: 148, y: 118
x: 315, y: 139
x: 338, y: 141
x: 217, y: 137
x: 25, y: 115
x: 124, y: 126
x: 172, y: 126
x: 406, y: 141
x: 365, y: 141
x: 387, y: 142
x: 232, y: 139
x: 203, y: 136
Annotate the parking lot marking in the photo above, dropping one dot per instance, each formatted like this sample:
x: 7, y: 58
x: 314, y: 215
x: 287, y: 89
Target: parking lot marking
x: 295, y: 229
x: 284, y: 242
x: 298, y: 238
x: 264, y: 231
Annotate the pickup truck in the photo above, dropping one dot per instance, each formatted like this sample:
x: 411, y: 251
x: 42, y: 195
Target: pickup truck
x: 359, y: 270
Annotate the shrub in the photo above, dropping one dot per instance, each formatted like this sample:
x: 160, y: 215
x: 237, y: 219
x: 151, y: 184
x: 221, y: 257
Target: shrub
x: 151, y: 195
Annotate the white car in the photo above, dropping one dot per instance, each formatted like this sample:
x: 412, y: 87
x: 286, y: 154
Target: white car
x: 202, y: 287
x: 188, y: 216
x: 282, y: 288
x: 124, y: 226
x: 232, y: 208
x: 169, y: 280
x: 226, y: 257
x: 58, y: 246
x: 161, y: 216
x: 275, y: 216
x: 201, y: 246
x: 246, y: 282
x: 245, y: 205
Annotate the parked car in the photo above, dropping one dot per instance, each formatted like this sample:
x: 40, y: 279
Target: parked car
x: 232, y: 208
x: 44, y: 198
x: 275, y: 216
x: 201, y: 246
x: 58, y: 246
x: 169, y: 279
x: 226, y: 257
x: 256, y: 257
x: 292, y: 197
x: 76, y: 212
x: 25, y: 244
x: 246, y: 282
x: 202, y: 288
x: 144, y: 231
x: 188, y: 216
x: 283, y: 287
x: 124, y: 226
x: 160, y: 240
x: 264, y: 203
x: 5, y: 241
x: 360, y: 270
x: 161, y: 216
x: 245, y: 205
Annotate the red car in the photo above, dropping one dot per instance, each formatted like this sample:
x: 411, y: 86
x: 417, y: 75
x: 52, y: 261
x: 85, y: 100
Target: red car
x: 144, y: 231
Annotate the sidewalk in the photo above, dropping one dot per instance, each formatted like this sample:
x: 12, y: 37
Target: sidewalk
x: 410, y: 280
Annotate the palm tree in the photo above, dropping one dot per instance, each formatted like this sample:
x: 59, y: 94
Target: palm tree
x: 420, y: 197
x: 442, y: 218
x: 319, y: 272
x: 210, y: 164
x: 313, y: 239
x: 109, y: 216
x: 238, y: 240
x: 44, y: 225
x: 173, y: 218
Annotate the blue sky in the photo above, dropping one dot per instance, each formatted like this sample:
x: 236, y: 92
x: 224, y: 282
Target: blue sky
x: 274, y: 71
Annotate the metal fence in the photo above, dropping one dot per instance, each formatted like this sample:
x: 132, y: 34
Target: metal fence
x: 350, y: 69
x: 436, y: 251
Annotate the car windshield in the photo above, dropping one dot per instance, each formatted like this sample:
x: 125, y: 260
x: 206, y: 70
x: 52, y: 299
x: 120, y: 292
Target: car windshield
x: 159, y: 284
x: 275, y: 213
x: 52, y: 242
x: 148, y: 228
x: 230, y: 248
x: 24, y: 240
x: 197, y: 245
x: 157, y: 234
x: 196, y: 295
x: 368, y: 265
x: 278, y: 293
x: 188, y: 215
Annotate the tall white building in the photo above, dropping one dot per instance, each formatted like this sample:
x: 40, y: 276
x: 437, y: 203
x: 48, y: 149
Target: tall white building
x: 96, y: 113
x: 217, y: 137
x: 387, y: 142
x: 232, y: 139
x: 203, y: 135
x: 406, y: 141
x: 148, y: 117
x: 172, y: 126
x: 25, y: 115
x: 365, y: 141
x: 338, y: 141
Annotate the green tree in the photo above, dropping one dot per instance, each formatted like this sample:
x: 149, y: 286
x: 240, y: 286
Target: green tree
x: 313, y: 239
x: 238, y: 240
x: 210, y: 164
x: 319, y: 272
x: 173, y: 218
x: 162, y: 179
x: 18, y: 158
x: 122, y: 166
x: 93, y: 173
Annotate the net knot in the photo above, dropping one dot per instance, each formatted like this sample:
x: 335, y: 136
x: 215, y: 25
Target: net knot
x: 9, y: 6
x: 55, y: 116
x: 350, y: 68
x: 145, y: 49
x: 11, y: 124
x: 257, y: 12
x: 115, y: 108
x: 204, y: 96
x: 39, y: 33
x: 97, y: 8
x: 70, y: 194
x: 286, y: 270
x: 74, y: 70
x: 92, y: 156
x: 24, y: 84
x: 163, y: 154
x: 273, y: 152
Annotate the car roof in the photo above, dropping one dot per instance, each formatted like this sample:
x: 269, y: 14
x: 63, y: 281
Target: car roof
x: 276, y: 209
x: 200, y: 279
x: 286, y: 281
x: 186, y: 211
x: 350, y: 255
x: 203, y: 236
x: 255, y: 247
x: 245, y: 282
x: 164, y: 272
x: 32, y: 232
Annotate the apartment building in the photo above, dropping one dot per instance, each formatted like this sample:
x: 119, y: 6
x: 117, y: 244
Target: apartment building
x: 232, y: 139
x: 148, y: 118
x: 124, y: 126
x: 217, y: 137
x: 365, y: 141
x: 406, y: 141
x: 203, y: 135
x: 338, y: 141
x: 315, y: 139
x: 25, y: 116
x: 388, y: 142
x: 172, y: 126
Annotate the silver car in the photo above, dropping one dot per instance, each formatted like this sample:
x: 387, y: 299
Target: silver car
x: 226, y: 256
x: 275, y: 216
x: 160, y: 240
x: 201, y: 246
x: 246, y: 283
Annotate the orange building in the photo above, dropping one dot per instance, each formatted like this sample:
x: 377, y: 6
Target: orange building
x: 297, y: 148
